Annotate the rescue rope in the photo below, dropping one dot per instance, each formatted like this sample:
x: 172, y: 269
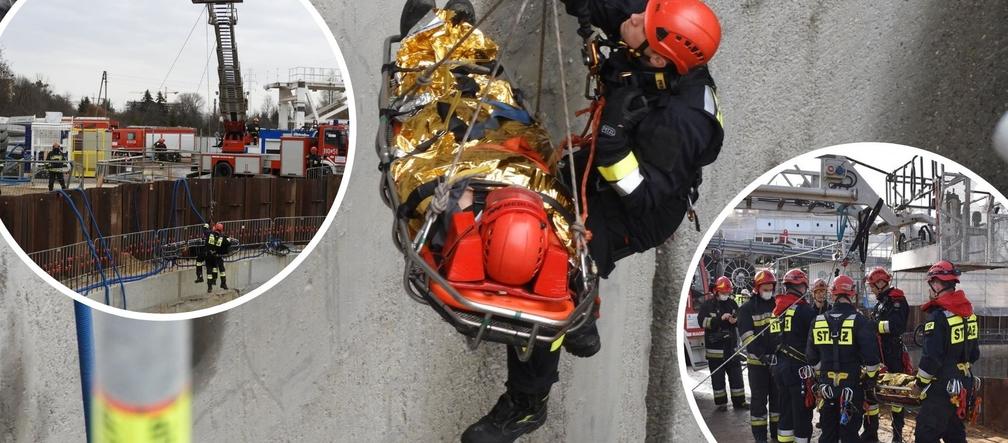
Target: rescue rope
x: 184, y: 44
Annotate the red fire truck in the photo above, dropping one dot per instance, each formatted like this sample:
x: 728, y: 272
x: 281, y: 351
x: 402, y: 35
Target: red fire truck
x: 699, y: 288
x: 139, y: 139
x: 288, y: 158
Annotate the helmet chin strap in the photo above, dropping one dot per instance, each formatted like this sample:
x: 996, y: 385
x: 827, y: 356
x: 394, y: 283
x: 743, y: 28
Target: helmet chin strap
x: 635, y: 53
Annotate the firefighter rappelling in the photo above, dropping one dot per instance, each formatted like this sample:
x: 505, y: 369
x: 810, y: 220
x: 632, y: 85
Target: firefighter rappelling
x: 487, y: 205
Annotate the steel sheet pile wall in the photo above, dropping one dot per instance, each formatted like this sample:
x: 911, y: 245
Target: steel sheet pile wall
x: 45, y: 221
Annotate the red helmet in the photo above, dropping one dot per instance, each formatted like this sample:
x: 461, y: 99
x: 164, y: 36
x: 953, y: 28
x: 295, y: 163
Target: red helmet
x: 218, y: 227
x: 795, y: 277
x: 723, y: 285
x: 314, y: 149
x: 843, y: 285
x: 764, y: 276
x: 944, y: 271
x: 687, y: 32
x: 514, y: 229
x: 876, y: 275
x: 819, y: 284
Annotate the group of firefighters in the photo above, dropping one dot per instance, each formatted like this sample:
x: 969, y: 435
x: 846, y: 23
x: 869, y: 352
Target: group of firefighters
x: 805, y: 354
x: 210, y: 254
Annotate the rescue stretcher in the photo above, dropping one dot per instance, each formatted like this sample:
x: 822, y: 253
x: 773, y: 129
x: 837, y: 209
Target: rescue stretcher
x: 441, y: 86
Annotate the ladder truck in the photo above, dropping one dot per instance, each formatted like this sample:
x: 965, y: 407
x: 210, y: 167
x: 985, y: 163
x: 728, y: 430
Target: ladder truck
x: 234, y: 159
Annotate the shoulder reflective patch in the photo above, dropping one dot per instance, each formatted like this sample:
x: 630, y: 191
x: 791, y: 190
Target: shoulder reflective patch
x: 929, y: 326
x: 711, y: 105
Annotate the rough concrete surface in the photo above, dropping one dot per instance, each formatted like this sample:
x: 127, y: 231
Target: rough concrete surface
x: 337, y: 352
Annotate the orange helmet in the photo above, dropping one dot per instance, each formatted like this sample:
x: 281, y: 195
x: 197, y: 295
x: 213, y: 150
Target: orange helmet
x: 944, y: 271
x: 687, y: 32
x: 876, y: 275
x: 764, y: 276
x: 795, y: 277
x: 843, y: 285
x: 515, y: 232
x: 819, y: 284
x: 723, y: 285
x: 218, y: 227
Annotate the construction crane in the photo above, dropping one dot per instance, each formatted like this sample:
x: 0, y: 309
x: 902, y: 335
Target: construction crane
x: 233, y: 103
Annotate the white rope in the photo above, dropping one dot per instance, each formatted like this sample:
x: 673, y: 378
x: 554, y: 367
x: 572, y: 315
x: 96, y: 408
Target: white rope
x: 578, y: 226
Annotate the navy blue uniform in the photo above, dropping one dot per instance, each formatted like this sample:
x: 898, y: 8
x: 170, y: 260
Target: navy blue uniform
x: 644, y: 206
x: 755, y: 316
x: 720, y: 341
x: 951, y: 346
x: 840, y: 344
x: 891, y: 314
x: 795, y: 418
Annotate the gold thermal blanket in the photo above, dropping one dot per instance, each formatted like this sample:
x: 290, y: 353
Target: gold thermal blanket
x: 507, y: 151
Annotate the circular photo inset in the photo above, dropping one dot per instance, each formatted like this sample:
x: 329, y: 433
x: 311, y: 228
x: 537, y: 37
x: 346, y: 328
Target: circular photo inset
x: 169, y: 157
x: 855, y: 293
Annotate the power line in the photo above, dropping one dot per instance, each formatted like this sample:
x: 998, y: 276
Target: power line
x: 186, y: 43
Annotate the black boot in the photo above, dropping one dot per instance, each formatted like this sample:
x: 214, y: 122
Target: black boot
x: 413, y: 11
x: 464, y: 11
x: 870, y: 434
x: 209, y: 286
x: 514, y: 415
x: 223, y: 282
x: 199, y: 274
x: 897, y: 427
x: 585, y: 341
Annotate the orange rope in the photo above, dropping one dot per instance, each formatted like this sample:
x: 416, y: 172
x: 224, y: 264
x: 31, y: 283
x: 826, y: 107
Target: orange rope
x: 589, y: 137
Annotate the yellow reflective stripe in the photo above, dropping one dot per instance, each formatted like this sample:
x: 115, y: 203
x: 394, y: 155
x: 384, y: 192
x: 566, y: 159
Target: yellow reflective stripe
x: 557, y: 343
x: 954, y: 320
x: 897, y: 409
x: 620, y: 169
x: 848, y: 323
x: 170, y: 423
x: 883, y: 327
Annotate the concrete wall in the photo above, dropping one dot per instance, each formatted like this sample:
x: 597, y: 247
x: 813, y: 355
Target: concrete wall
x: 337, y: 352
x: 178, y: 286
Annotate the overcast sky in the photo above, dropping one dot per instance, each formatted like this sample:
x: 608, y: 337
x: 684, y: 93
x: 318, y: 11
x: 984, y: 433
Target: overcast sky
x: 70, y: 43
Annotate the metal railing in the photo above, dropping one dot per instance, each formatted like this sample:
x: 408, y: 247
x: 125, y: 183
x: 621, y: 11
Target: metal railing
x: 27, y: 176
x: 130, y: 257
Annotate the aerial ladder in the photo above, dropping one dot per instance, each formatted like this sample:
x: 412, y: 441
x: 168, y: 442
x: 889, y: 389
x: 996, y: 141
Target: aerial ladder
x: 231, y: 96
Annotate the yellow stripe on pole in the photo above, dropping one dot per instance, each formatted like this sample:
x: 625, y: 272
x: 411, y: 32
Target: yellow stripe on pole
x: 171, y: 423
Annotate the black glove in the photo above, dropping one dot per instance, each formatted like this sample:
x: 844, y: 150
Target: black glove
x: 624, y: 109
x: 768, y: 359
x: 579, y: 9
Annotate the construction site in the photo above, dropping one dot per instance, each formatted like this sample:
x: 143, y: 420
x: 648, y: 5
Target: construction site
x: 127, y: 214
x: 838, y: 215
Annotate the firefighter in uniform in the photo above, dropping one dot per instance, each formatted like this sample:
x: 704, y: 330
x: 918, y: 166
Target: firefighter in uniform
x: 217, y: 244
x: 659, y: 126
x: 841, y: 347
x: 718, y: 318
x: 760, y: 334
x: 56, y: 165
x: 794, y: 384
x: 951, y: 346
x: 891, y: 313
x: 819, y: 301
x: 201, y: 254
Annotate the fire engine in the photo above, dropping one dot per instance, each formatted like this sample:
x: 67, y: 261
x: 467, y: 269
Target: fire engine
x: 289, y: 157
x: 138, y: 139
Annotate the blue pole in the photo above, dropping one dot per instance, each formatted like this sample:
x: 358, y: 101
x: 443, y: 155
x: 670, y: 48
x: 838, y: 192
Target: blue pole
x: 85, y: 352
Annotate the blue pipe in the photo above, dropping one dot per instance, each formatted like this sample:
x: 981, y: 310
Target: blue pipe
x: 90, y: 243
x: 104, y: 243
x: 85, y: 353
